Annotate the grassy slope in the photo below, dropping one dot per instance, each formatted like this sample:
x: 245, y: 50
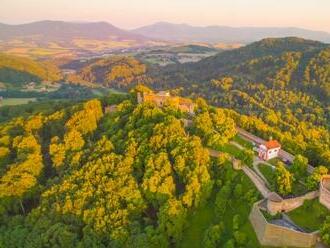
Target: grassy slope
x: 247, y: 144
x: 205, y: 216
x: 298, y: 188
x: 268, y: 173
x: 229, y: 148
x: 199, y: 222
x: 310, y: 216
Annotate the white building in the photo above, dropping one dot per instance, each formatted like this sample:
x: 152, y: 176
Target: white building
x: 269, y: 150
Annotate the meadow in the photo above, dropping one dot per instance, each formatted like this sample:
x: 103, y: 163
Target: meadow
x: 16, y: 101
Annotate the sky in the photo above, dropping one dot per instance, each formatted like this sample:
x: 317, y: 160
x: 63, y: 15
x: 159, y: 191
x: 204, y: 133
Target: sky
x: 312, y: 14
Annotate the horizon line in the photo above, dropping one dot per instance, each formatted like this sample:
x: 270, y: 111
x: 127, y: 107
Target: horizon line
x: 161, y: 22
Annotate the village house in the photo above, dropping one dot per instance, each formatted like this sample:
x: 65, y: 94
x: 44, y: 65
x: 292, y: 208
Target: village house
x: 269, y: 150
x: 163, y: 97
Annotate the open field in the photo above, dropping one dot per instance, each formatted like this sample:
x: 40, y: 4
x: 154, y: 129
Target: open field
x: 310, y: 216
x: 269, y: 173
x: 16, y: 101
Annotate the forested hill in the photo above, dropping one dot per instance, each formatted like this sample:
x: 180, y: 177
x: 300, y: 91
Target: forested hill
x: 15, y: 69
x: 115, y: 71
x: 223, y: 62
x: 80, y: 178
x: 283, y: 63
x: 284, y: 82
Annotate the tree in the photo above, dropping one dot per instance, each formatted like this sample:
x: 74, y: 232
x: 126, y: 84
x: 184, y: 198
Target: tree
x: 172, y: 218
x: 212, y: 236
x: 236, y: 222
x: 4, y: 156
x: 158, y: 183
x: 238, y: 191
x: 283, y: 179
x: 325, y: 231
x: 224, y: 83
x: 214, y: 126
x: 246, y: 157
x: 222, y: 199
x: 314, y: 179
x: 299, y: 166
x: 240, y: 237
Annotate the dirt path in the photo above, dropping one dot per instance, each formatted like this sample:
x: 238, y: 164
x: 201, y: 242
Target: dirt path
x: 256, y: 163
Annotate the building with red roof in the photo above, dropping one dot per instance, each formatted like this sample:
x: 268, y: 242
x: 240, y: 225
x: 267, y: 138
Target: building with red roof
x: 269, y: 150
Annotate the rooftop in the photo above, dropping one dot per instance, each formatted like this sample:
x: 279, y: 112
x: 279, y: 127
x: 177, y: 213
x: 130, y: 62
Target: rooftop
x: 272, y: 144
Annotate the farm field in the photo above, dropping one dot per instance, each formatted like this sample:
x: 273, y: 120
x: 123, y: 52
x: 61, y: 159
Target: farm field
x: 16, y: 101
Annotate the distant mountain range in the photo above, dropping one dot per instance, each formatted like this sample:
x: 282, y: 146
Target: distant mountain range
x: 217, y: 34
x: 47, y: 31
x: 58, y: 38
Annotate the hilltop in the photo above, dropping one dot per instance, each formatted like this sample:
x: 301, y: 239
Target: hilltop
x: 284, y: 82
x: 16, y: 70
x: 59, y: 38
x: 115, y: 72
x: 136, y: 175
x: 224, y: 34
x: 262, y: 62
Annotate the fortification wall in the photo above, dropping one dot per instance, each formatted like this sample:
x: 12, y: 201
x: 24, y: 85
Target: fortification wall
x: 286, y: 205
x: 325, y: 191
x: 274, y: 235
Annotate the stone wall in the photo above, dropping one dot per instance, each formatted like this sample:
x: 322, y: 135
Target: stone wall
x: 325, y: 191
x: 286, y: 205
x: 274, y: 235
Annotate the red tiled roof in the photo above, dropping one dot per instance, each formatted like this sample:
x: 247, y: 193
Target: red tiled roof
x: 272, y: 144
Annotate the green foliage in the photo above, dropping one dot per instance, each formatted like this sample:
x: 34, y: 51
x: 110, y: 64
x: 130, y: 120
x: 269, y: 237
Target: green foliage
x: 313, y: 181
x: 118, y: 72
x: 18, y: 70
x: 83, y: 179
x: 81, y: 123
x: 325, y: 231
x: 281, y: 84
x: 284, y: 179
x: 214, y: 125
x: 212, y: 236
x: 316, y: 213
x: 299, y: 167
x: 223, y: 84
x: 225, y: 211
